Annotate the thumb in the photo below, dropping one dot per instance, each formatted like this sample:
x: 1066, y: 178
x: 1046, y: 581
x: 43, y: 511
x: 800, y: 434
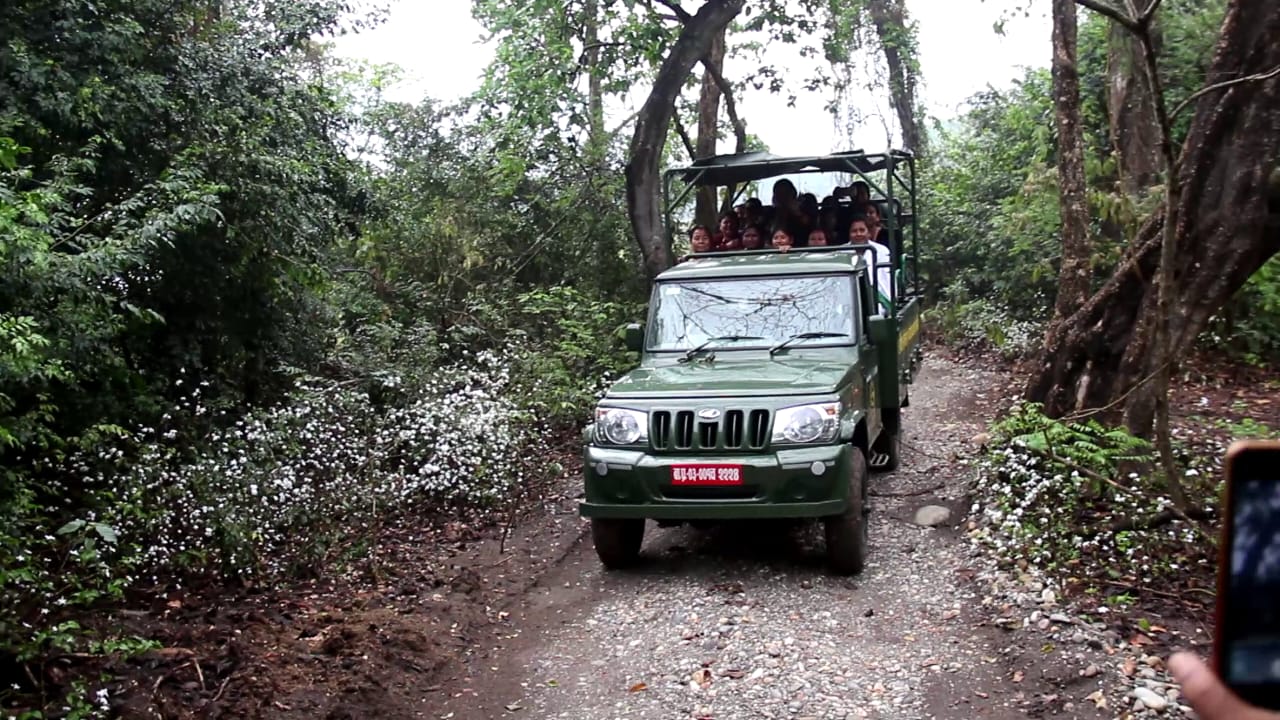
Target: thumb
x: 1211, y: 699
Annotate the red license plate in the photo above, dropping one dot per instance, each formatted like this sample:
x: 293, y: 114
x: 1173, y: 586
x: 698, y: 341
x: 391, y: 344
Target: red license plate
x: 706, y: 474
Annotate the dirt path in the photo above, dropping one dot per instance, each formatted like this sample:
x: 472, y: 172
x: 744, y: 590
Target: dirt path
x: 743, y: 621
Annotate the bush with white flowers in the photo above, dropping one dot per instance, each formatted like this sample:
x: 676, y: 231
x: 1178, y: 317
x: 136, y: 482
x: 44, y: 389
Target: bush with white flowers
x: 282, y: 485
x: 1052, y: 494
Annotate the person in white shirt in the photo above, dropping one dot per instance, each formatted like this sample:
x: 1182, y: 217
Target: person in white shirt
x: 877, y: 257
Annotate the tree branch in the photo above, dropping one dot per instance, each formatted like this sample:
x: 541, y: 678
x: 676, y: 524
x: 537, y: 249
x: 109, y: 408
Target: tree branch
x: 730, y: 106
x: 675, y: 8
x: 1112, y: 12
x: 1147, y: 15
x: 684, y: 135
x: 1257, y: 77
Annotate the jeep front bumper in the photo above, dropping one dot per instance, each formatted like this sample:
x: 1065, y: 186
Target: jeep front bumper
x: 780, y: 484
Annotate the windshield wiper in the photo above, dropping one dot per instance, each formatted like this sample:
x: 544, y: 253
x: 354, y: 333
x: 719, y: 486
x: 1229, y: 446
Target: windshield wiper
x: 805, y: 336
x: 719, y: 338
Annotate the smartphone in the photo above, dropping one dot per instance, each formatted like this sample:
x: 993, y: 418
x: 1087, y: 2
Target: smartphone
x: 1247, y: 643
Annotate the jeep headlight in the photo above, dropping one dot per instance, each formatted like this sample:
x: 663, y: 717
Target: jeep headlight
x: 819, y: 422
x: 617, y: 426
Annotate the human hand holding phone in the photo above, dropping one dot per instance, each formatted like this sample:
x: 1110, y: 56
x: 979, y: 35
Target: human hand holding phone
x: 1208, y: 695
x: 1247, y: 638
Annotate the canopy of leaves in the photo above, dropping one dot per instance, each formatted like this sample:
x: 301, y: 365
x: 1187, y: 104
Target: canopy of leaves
x: 990, y: 182
x: 172, y: 177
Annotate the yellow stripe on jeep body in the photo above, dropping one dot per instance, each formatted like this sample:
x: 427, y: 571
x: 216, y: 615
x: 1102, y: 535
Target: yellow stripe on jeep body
x: 909, y: 334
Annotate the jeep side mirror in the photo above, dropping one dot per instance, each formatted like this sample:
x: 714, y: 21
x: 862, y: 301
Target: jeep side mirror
x: 634, y: 337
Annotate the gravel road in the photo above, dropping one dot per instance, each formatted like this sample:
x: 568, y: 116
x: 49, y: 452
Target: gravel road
x: 743, y: 621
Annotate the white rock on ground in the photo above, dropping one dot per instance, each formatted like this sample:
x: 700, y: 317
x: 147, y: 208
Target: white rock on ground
x: 932, y: 515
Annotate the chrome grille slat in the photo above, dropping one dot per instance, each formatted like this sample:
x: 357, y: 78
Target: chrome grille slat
x: 737, y: 429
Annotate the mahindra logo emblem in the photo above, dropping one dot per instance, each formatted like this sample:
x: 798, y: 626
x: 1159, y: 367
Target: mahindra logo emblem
x: 709, y: 413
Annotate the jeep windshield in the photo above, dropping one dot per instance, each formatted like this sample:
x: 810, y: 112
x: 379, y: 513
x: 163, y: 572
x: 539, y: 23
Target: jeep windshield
x: 763, y: 312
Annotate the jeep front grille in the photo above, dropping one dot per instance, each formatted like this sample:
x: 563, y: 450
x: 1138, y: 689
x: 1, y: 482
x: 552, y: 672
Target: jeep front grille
x: 733, y: 430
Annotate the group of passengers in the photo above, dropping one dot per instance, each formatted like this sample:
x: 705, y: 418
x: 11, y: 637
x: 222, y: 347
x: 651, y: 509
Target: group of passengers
x: 799, y: 220
x: 795, y: 220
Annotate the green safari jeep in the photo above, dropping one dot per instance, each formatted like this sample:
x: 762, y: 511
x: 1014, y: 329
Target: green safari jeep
x: 767, y: 380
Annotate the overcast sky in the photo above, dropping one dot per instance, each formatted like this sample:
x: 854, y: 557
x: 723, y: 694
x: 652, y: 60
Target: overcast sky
x: 439, y: 45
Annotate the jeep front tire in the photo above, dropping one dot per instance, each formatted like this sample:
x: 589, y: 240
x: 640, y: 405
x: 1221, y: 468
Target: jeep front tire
x: 617, y: 540
x: 847, y: 532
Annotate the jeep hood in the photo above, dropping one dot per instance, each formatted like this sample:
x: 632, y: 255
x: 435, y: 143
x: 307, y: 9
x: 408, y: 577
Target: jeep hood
x: 733, y: 376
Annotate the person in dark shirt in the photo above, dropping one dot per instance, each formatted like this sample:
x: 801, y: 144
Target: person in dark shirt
x: 871, y: 211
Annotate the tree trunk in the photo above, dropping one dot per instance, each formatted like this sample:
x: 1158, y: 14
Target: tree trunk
x: 708, y: 128
x: 735, y: 121
x: 1226, y: 229
x: 1073, y: 273
x: 1135, y: 133
x: 595, y: 91
x: 597, y: 149
x: 898, y: 44
x: 653, y: 122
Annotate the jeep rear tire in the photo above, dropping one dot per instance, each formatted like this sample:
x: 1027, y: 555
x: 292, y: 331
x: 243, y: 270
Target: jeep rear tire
x: 847, y: 532
x: 889, y: 447
x: 617, y: 541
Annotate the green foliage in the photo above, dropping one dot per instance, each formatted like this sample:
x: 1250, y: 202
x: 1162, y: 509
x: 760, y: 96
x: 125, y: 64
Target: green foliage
x: 1064, y: 496
x: 1249, y: 326
x: 991, y: 239
x: 576, y: 349
x: 990, y: 235
x: 1073, y: 445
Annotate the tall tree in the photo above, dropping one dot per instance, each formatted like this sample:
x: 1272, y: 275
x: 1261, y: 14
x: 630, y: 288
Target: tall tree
x: 1222, y: 228
x: 1074, y: 270
x: 709, y: 124
x: 1131, y: 116
x: 897, y: 42
x: 653, y: 123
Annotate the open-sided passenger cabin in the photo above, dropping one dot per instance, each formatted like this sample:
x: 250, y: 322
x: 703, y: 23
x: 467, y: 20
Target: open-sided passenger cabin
x: 889, y: 177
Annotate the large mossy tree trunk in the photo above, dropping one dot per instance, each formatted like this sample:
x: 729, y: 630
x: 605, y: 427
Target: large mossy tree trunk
x: 1227, y: 228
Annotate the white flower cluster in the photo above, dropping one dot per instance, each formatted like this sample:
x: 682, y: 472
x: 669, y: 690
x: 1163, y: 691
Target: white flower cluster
x: 1049, y: 518
x: 318, y: 469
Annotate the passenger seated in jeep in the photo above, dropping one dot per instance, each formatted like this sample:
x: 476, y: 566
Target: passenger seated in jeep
x: 699, y: 240
x: 829, y: 222
x: 877, y: 256
x: 818, y: 238
x: 753, y: 238
x: 858, y: 192
x: 809, y: 208
x: 782, y: 239
x: 871, y: 211
x: 728, y: 238
x: 786, y: 210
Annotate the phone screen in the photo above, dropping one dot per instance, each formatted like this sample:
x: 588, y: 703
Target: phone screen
x: 1249, y: 642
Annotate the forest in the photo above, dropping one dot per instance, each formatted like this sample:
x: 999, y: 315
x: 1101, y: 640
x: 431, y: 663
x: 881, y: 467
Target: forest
x: 253, y: 312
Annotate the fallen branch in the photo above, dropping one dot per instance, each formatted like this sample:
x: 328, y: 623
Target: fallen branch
x: 1149, y: 522
x: 1153, y: 591
x: 222, y: 689
x: 1054, y: 457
